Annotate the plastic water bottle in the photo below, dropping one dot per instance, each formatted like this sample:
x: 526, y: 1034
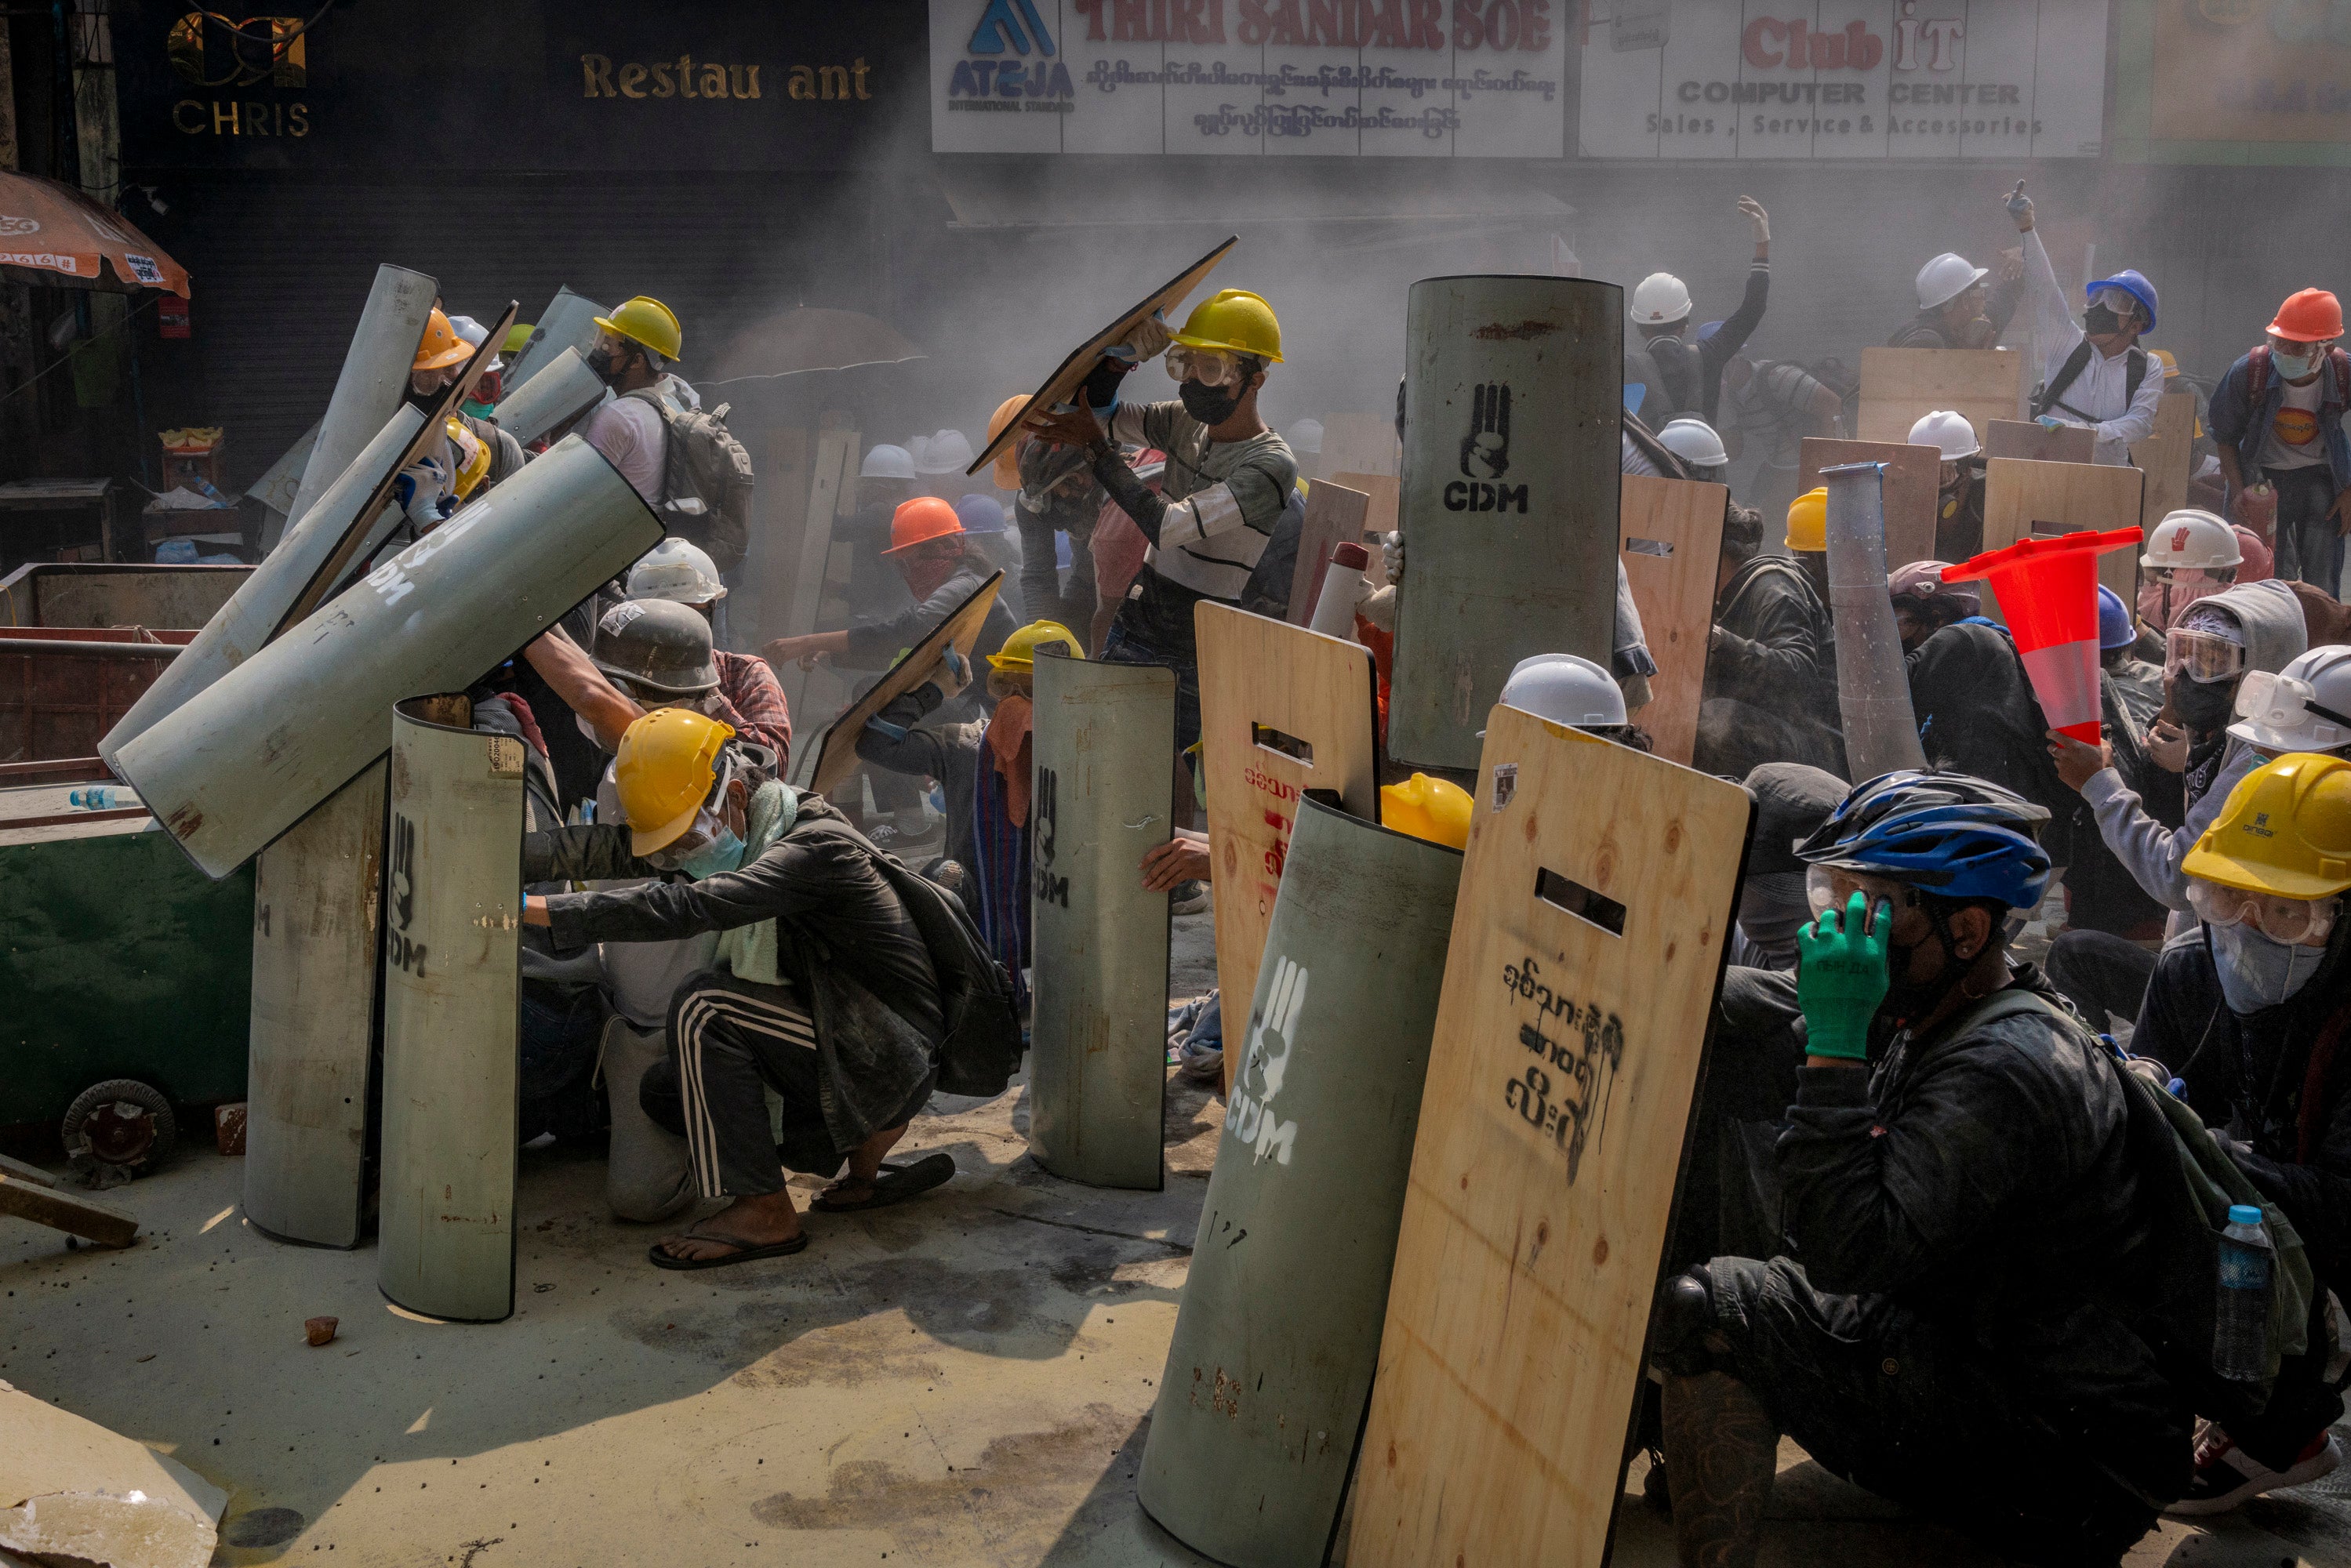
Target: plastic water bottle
x: 91, y: 797
x: 2241, y: 1317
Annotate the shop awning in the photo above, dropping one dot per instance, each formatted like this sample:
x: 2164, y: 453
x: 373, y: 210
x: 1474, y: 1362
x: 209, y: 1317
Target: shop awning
x: 52, y: 234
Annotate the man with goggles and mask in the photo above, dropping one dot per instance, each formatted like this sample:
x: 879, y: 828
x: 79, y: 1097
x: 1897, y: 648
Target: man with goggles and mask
x: 2251, y: 1011
x: 1227, y: 480
x: 2277, y: 418
x: 822, y: 989
x: 2096, y: 376
x: 1957, y: 1176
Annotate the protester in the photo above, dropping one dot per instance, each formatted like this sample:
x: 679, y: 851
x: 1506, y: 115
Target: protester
x: 425, y: 489
x: 1958, y: 485
x: 1791, y: 800
x: 1771, y: 405
x: 633, y: 350
x: 2094, y: 373
x: 886, y: 481
x: 2277, y: 419
x: 1057, y: 497
x: 1770, y: 693
x: 753, y: 702
x: 1954, y: 311
x: 1701, y: 449
x: 1681, y: 378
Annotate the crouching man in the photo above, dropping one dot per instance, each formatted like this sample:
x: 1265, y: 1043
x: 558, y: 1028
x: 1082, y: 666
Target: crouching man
x: 824, y: 990
x: 1956, y: 1174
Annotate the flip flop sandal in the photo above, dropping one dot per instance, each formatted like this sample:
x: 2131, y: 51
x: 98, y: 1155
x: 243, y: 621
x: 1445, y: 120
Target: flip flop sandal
x: 896, y: 1183
x: 743, y: 1251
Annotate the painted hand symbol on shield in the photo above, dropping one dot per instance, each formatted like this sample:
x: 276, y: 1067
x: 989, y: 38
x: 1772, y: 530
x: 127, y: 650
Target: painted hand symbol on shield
x: 1486, y: 450
x: 1262, y: 1071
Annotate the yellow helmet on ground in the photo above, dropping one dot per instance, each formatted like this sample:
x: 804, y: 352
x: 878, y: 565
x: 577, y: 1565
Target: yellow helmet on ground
x: 440, y: 346
x: 646, y: 321
x: 1808, y: 521
x: 2285, y: 832
x: 664, y: 770
x: 1237, y: 320
x: 1432, y: 809
x: 1019, y: 654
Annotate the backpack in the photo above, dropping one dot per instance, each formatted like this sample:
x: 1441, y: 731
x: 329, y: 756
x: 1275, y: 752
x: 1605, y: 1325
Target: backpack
x: 2257, y: 375
x: 705, y: 480
x: 982, y: 1047
x: 2133, y: 373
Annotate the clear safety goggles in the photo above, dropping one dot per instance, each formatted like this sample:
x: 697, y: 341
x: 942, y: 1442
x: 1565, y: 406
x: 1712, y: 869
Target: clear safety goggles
x: 2297, y: 922
x: 2121, y: 301
x: 1828, y: 887
x: 2202, y: 656
x: 2209, y: 579
x: 1209, y: 367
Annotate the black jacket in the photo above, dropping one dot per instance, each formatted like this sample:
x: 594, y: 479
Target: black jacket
x: 1692, y: 369
x: 1772, y: 639
x: 1977, y: 713
x: 949, y: 753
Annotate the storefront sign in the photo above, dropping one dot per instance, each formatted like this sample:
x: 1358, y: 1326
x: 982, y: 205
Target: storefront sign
x: 2239, y: 81
x: 2004, y: 80
x: 1407, y: 78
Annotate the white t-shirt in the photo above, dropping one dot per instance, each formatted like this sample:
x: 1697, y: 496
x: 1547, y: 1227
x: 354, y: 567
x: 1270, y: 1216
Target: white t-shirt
x: 628, y: 432
x: 2295, y: 438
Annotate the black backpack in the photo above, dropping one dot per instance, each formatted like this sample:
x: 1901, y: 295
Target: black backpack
x: 705, y: 480
x: 2133, y: 373
x: 982, y: 1047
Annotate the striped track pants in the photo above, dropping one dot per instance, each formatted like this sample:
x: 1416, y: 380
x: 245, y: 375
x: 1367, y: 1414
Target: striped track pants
x: 730, y: 1040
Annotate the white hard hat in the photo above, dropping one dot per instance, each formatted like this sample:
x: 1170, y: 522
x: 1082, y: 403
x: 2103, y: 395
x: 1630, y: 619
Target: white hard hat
x: 1946, y: 277
x: 1694, y: 441
x: 1306, y: 436
x: 2192, y: 537
x: 1564, y: 689
x: 949, y: 452
x: 473, y: 333
x: 2304, y: 707
x: 1948, y: 432
x: 678, y: 571
x: 1659, y: 299
x: 887, y: 461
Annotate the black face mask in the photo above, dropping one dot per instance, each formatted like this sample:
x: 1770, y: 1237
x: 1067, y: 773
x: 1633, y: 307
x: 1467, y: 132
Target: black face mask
x: 2203, y: 708
x: 1908, y: 1000
x: 606, y: 365
x: 2099, y: 320
x: 1209, y: 405
x: 1102, y: 383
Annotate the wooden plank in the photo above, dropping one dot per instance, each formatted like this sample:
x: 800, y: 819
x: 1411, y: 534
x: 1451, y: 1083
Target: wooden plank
x: 1362, y: 443
x: 2039, y: 442
x: 1560, y: 1084
x: 2022, y: 500
x: 1267, y: 691
x: 804, y: 562
x: 836, y: 753
x: 23, y: 1172
x: 2164, y: 457
x: 62, y: 1210
x: 1335, y: 516
x: 780, y: 502
x: 1913, y: 481
x: 1670, y: 533
x: 1379, y: 513
x: 1898, y: 386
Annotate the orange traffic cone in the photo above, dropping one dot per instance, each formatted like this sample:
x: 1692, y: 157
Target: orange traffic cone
x: 2048, y: 589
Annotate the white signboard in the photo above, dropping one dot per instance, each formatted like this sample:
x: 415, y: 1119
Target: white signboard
x: 1999, y: 79
x: 1393, y: 79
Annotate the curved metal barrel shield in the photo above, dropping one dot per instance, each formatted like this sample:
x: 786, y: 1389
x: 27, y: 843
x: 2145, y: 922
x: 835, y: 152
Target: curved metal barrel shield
x: 317, y: 903
x: 551, y: 397
x: 1272, y: 1363
x: 1105, y: 757
x: 249, y: 755
x: 369, y: 387
x: 453, y: 978
x: 567, y: 323
x: 1881, y: 730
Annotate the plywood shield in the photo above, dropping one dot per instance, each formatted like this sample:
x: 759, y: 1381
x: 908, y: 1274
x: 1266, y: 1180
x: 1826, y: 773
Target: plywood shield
x: 1509, y: 496
x: 1379, y: 515
x: 249, y: 755
x: 1671, y: 536
x: 2026, y: 500
x: 1913, y: 480
x: 1898, y: 385
x: 1274, y: 1348
x: 317, y: 904
x: 806, y: 552
x: 1063, y: 383
x: 1587, y: 950
x: 1105, y: 759
x: 2163, y: 456
x: 370, y: 386
x: 1282, y: 710
x: 451, y: 947
x: 836, y: 751
x: 2039, y: 442
x: 1335, y: 516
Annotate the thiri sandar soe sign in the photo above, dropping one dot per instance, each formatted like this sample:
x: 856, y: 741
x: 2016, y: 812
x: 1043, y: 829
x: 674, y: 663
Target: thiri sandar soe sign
x: 1327, y: 77
x: 1844, y: 78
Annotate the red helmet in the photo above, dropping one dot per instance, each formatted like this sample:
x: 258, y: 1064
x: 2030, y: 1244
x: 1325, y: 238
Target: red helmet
x: 920, y: 520
x: 2308, y: 316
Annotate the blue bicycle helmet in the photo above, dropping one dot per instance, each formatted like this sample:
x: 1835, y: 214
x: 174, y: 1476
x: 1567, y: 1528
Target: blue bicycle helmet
x: 1944, y: 833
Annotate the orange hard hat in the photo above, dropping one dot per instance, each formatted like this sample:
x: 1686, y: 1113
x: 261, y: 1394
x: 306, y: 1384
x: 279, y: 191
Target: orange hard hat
x: 920, y: 520
x: 1008, y: 461
x: 441, y: 346
x: 2309, y: 315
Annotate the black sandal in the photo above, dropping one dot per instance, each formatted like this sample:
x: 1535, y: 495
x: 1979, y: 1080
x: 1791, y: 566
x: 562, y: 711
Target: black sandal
x: 896, y: 1183
x: 744, y: 1252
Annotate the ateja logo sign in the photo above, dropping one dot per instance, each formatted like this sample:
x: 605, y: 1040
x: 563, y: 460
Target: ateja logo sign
x: 1012, y: 64
x: 224, y: 59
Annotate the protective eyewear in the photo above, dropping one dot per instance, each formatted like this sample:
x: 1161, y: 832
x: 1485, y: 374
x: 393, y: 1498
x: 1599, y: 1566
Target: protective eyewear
x: 2121, y: 301
x: 2202, y: 656
x: 1209, y: 367
x: 1828, y: 887
x: 683, y: 847
x: 2296, y: 922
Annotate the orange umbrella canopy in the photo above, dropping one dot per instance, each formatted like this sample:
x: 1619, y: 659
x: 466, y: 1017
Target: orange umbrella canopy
x: 51, y: 234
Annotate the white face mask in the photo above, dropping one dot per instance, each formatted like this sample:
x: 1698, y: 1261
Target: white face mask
x: 2257, y: 971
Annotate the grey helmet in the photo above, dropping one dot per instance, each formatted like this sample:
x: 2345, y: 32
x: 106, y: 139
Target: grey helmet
x: 656, y: 645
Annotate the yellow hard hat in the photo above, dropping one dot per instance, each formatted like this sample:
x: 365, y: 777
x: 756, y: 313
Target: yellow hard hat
x: 517, y: 338
x: 1235, y: 320
x: 1019, y: 654
x: 664, y: 770
x: 646, y: 321
x: 2286, y: 831
x: 1808, y: 521
x: 1431, y: 809
x: 1007, y: 467
x: 473, y: 455
x: 441, y: 346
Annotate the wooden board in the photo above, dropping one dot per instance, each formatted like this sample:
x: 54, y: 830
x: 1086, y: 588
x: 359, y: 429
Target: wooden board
x: 1913, y: 481
x: 780, y: 507
x: 836, y: 753
x: 2039, y: 442
x: 1362, y: 443
x: 1898, y: 386
x: 1670, y: 533
x: 1069, y: 372
x: 1383, y: 493
x: 2022, y: 500
x: 804, y: 553
x: 67, y: 1211
x: 1261, y: 679
x: 1335, y: 516
x: 2164, y: 457
x: 1560, y: 1085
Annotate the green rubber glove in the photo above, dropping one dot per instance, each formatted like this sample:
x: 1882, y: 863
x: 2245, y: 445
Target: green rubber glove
x: 1841, y: 978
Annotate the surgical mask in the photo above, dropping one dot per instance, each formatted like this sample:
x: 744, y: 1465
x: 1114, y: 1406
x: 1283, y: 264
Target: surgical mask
x: 2293, y: 367
x: 1209, y: 405
x: 722, y: 853
x: 2258, y: 972
x: 2201, y: 707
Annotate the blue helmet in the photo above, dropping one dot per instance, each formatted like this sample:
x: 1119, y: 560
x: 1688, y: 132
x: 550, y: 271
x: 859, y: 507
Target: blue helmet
x: 2115, y: 628
x: 2133, y: 282
x: 1945, y: 833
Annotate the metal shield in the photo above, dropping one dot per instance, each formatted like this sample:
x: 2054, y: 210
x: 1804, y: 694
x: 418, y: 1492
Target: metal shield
x: 1272, y: 1363
x: 1513, y: 403
x: 567, y: 323
x: 551, y: 397
x: 1881, y: 729
x: 452, y: 999
x: 1105, y: 759
x: 318, y: 901
x: 249, y: 755
x: 371, y: 387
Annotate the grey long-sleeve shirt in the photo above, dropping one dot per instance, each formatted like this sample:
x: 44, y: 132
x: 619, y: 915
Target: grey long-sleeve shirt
x: 2151, y: 851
